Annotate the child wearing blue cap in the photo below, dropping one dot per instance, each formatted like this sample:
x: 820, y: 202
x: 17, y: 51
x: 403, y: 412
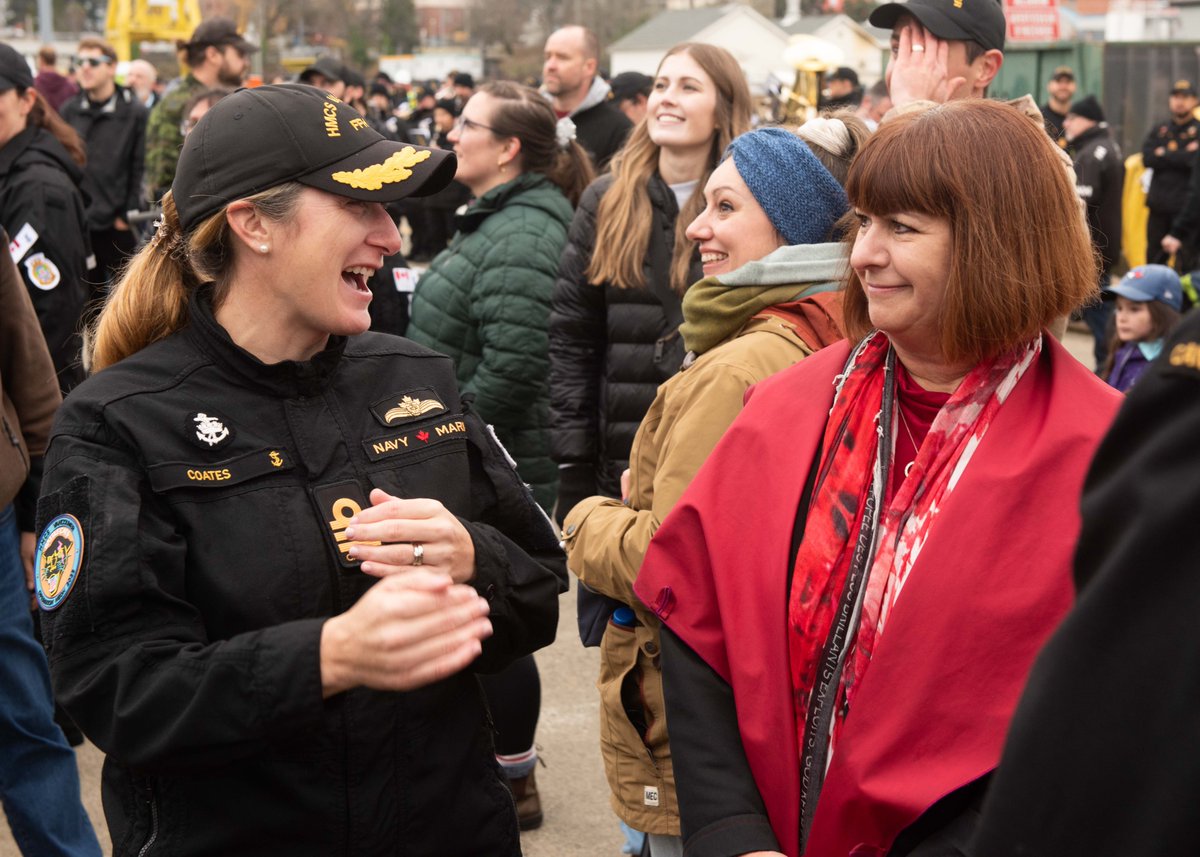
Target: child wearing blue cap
x: 1148, y: 303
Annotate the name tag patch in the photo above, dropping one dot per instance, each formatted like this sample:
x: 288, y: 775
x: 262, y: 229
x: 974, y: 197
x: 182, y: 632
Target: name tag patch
x: 407, y: 407
x: 337, y: 504
x: 414, y: 439
x: 178, y: 474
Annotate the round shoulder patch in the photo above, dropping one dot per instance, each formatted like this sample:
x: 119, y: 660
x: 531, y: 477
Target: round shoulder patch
x: 59, y: 557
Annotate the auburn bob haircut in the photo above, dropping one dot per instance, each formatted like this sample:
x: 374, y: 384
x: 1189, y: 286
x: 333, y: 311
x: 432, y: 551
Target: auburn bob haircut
x: 1021, y: 252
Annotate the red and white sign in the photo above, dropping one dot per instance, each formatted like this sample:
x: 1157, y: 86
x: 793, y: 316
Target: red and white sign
x: 1032, y: 20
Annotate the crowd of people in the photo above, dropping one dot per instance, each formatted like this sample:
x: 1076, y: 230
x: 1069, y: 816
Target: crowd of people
x: 788, y: 402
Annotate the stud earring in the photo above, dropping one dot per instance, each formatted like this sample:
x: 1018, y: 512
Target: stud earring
x: 503, y: 166
x: 263, y: 248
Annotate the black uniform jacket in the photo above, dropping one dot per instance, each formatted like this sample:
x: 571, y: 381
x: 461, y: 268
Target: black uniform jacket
x: 1103, y: 754
x: 1173, y: 166
x: 1100, y: 181
x: 42, y: 209
x: 210, y: 492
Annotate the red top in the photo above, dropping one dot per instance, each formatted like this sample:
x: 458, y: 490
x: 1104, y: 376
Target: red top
x: 992, y: 581
x: 918, y: 408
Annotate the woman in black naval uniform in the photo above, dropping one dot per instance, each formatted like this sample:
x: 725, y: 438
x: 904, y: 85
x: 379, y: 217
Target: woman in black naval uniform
x: 222, y: 496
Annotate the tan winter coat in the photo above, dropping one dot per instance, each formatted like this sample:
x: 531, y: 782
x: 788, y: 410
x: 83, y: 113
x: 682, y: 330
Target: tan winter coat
x: 606, y: 540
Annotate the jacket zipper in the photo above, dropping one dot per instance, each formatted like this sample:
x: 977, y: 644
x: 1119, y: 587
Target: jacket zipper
x: 16, y: 442
x: 153, y: 825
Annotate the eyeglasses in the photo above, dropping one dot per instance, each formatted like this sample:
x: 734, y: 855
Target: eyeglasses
x: 92, y: 62
x: 463, y: 122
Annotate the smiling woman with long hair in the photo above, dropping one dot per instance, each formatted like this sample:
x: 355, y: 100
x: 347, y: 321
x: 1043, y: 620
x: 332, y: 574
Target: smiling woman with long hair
x: 614, y: 328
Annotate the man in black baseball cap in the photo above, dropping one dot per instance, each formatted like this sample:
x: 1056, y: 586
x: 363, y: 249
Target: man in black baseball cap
x: 14, y: 71
x: 327, y: 74
x: 259, y: 138
x: 217, y: 58
x: 942, y: 49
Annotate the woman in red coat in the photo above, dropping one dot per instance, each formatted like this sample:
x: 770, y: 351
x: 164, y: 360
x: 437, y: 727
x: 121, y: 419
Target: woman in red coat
x: 857, y: 581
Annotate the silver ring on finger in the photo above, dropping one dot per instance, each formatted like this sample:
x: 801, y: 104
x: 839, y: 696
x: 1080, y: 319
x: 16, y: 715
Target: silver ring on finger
x: 918, y: 49
x: 418, y: 553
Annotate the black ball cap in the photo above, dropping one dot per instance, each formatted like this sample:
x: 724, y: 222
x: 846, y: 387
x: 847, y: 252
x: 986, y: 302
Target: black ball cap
x: 14, y: 71
x: 258, y: 138
x: 980, y: 21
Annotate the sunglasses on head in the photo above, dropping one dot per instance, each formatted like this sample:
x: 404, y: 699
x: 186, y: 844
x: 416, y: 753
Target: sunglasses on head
x: 92, y: 62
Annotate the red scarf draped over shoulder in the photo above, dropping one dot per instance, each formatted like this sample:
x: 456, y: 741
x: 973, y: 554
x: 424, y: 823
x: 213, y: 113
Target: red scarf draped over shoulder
x: 991, y: 582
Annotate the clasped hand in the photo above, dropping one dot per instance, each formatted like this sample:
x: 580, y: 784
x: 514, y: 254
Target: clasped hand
x: 400, y: 525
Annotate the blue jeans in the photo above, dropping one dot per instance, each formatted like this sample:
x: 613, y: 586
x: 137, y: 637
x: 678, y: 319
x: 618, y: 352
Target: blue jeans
x: 39, y: 780
x: 1097, y: 316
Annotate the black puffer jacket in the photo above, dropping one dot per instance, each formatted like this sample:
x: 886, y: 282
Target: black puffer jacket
x: 610, y: 348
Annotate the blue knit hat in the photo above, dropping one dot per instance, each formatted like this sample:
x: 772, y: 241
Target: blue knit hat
x: 798, y: 194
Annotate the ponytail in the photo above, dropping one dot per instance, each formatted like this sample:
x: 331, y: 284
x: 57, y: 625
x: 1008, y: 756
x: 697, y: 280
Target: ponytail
x: 42, y: 115
x: 150, y: 302
x: 572, y: 172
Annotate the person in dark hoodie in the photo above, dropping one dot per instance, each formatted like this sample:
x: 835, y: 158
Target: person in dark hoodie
x: 1099, y: 181
x: 570, y: 81
x: 42, y: 209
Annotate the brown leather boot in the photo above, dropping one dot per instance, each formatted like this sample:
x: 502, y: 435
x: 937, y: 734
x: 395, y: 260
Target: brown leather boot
x: 529, y: 806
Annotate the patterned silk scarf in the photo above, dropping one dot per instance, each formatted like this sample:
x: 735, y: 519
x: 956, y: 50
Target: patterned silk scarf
x: 857, y: 553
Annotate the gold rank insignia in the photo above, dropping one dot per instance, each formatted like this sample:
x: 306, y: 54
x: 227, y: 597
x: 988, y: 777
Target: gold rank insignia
x: 408, y: 407
x: 397, y: 168
x: 1172, y: 146
x: 405, y: 406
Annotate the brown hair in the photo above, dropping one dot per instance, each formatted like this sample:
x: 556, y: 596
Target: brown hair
x: 1162, y: 321
x: 623, y: 220
x: 96, y: 44
x: 42, y: 115
x: 523, y: 113
x: 150, y: 301
x: 1020, y: 252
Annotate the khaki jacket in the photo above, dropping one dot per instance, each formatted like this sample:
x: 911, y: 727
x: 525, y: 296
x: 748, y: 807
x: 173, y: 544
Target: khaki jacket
x: 29, y: 388
x: 606, y: 540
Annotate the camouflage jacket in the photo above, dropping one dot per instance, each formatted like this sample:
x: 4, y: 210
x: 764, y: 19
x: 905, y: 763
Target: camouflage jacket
x: 163, y: 137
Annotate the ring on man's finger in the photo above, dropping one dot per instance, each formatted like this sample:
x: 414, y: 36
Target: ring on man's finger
x: 418, y: 553
x: 918, y: 49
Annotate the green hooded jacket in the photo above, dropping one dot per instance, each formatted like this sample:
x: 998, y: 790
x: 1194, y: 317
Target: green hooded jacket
x: 485, y: 301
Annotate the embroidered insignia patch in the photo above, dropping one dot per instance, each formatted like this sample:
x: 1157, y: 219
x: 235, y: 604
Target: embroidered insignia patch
x: 337, y: 504
x: 209, y: 430
x: 26, y: 237
x: 397, y: 168
x: 405, y: 279
x: 408, y: 406
x: 218, y: 474
x: 382, y: 447
x: 59, y: 556
x: 42, y: 272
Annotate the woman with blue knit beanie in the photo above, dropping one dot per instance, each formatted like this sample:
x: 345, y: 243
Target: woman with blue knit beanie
x: 772, y: 263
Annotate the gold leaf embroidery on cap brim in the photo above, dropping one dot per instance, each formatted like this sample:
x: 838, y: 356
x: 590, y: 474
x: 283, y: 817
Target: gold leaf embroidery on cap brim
x: 397, y: 168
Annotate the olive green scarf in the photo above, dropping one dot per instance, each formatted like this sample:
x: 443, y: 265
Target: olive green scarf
x: 716, y: 308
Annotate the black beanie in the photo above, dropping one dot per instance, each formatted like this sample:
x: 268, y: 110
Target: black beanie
x: 1089, y: 108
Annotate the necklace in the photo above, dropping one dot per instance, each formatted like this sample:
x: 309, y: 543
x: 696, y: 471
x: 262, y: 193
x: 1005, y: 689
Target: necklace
x: 908, y: 467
